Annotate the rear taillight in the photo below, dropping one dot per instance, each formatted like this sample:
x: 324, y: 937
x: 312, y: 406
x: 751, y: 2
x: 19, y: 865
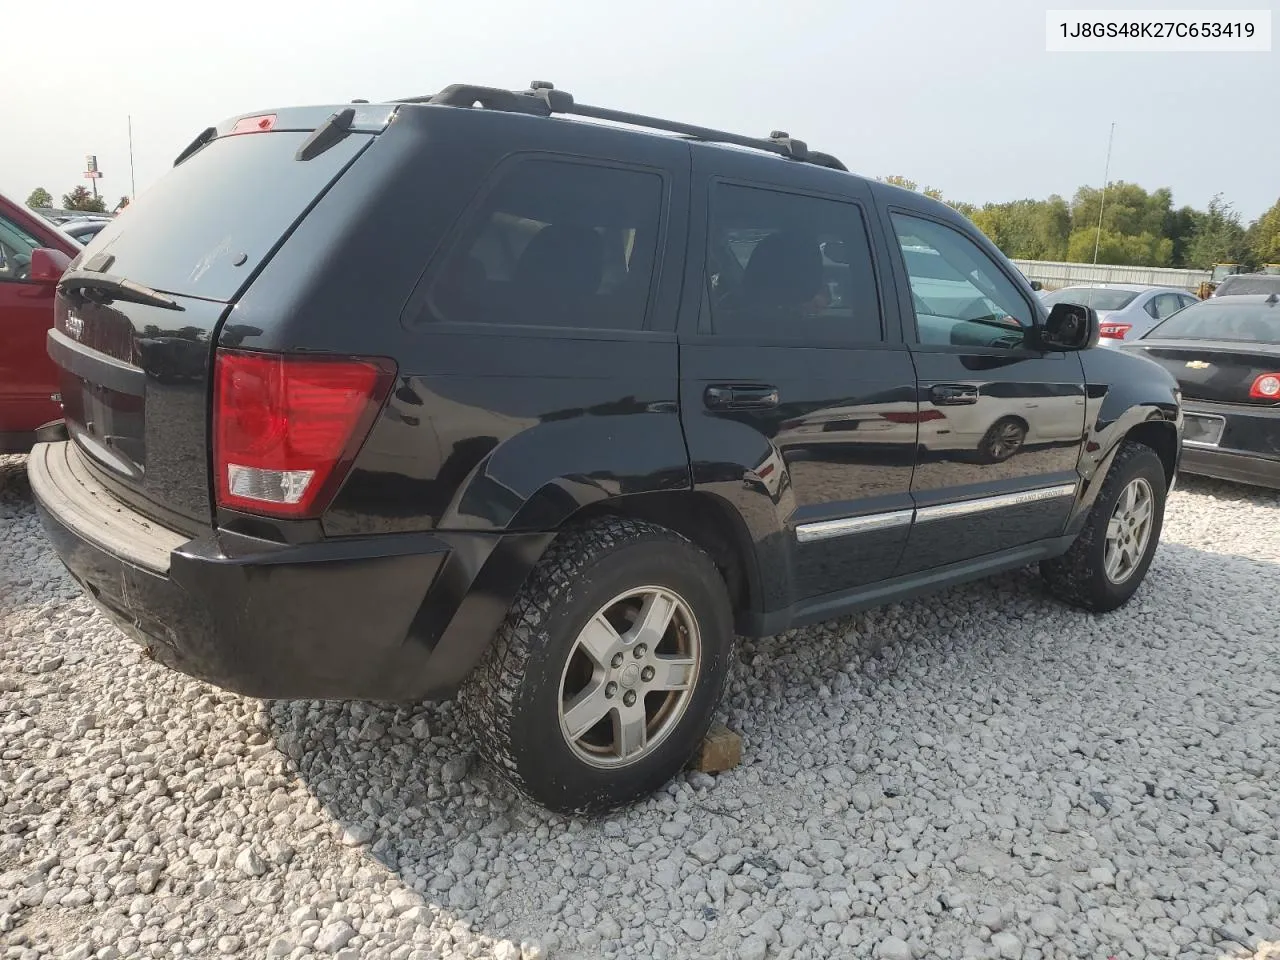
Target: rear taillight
x: 1114, y: 331
x: 1266, y: 387
x: 286, y: 427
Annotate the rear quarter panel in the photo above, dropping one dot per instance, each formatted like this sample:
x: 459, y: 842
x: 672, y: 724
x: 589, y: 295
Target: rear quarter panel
x: 487, y: 428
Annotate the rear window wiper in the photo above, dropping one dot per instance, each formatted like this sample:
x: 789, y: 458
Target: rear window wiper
x: 108, y: 288
x: 207, y: 134
x: 329, y: 133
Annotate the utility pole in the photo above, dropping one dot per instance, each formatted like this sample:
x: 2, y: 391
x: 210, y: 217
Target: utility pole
x: 133, y: 184
x: 1102, y: 203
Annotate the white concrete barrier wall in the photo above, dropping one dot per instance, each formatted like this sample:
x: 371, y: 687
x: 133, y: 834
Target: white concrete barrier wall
x: 1055, y: 274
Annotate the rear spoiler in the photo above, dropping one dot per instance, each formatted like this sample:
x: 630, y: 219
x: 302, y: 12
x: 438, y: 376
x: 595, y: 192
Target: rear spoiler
x: 346, y: 119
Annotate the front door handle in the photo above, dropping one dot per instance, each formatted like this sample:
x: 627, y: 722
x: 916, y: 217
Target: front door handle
x: 953, y: 394
x: 725, y: 396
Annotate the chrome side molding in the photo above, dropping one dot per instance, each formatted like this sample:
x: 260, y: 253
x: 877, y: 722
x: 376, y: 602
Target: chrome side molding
x: 843, y: 526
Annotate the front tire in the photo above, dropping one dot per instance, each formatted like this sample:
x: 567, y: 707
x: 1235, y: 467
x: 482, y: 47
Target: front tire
x: 1109, y: 559
x: 608, y: 670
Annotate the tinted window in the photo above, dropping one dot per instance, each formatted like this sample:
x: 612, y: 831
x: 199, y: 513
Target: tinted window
x: 1257, y: 322
x: 15, y: 250
x: 556, y: 244
x: 1100, y: 298
x: 960, y: 295
x: 233, y: 199
x: 785, y: 265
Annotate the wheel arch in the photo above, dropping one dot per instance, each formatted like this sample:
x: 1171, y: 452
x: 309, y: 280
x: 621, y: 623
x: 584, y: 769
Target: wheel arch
x: 704, y: 518
x: 1161, y: 436
x: 1148, y: 426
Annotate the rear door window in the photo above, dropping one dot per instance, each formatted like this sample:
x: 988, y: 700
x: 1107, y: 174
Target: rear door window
x: 207, y: 225
x: 555, y: 243
x: 787, y: 265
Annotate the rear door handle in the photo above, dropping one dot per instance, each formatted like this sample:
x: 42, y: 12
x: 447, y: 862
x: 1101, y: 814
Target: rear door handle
x: 953, y: 394
x: 724, y: 396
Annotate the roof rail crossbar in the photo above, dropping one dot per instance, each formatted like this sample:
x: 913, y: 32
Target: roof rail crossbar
x: 491, y: 98
x: 543, y: 99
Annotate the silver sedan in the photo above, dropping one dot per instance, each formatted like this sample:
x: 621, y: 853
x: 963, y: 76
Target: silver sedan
x: 1125, y: 310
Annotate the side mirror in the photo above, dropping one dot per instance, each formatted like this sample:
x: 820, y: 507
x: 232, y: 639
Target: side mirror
x: 1070, y: 327
x: 1036, y: 285
x: 47, y: 265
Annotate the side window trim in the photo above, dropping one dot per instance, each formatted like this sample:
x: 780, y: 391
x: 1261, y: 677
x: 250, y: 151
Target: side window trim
x: 418, y: 311
x: 902, y: 278
x: 864, y: 209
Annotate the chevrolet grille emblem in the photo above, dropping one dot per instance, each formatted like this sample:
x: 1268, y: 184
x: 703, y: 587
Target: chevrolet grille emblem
x: 1199, y: 364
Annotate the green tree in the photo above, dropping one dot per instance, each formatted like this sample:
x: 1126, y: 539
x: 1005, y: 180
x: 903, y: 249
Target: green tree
x: 1135, y: 225
x: 81, y: 199
x: 894, y: 180
x: 1264, y: 236
x: 1027, y: 229
x: 1218, y: 237
x: 40, y: 198
x: 124, y: 202
x: 1119, y: 249
x: 1180, y: 227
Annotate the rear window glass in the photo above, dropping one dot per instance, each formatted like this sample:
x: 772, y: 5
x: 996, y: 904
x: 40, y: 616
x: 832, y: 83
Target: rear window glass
x: 208, y: 223
x: 1237, y: 286
x: 1097, y: 297
x: 1207, y: 320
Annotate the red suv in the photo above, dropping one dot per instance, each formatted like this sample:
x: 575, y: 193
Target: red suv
x: 33, y: 254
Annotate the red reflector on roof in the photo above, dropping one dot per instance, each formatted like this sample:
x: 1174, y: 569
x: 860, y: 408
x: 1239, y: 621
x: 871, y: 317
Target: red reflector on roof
x: 260, y: 124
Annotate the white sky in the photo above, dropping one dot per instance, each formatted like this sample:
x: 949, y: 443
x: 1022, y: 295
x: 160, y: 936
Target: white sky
x: 956, y: 94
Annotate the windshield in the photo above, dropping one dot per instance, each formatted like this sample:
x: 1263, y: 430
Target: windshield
x: 1254, y: 322
x: 1100, y: 298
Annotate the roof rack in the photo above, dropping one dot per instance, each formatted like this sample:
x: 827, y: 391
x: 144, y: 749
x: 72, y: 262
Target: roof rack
x: 543, y: 99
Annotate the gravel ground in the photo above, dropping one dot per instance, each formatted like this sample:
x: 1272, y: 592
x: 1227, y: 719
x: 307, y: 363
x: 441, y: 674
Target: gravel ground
x: 980, y: 774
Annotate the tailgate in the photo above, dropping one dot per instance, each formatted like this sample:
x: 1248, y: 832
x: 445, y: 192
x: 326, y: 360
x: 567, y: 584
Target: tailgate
x: 137, y: 315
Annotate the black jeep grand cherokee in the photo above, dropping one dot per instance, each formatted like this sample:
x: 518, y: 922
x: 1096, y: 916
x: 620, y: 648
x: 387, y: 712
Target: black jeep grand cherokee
x: 462, y: 394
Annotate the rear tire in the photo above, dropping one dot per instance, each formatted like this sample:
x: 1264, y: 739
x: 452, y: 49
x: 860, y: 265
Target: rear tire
x: 1109, y: 559
x: 608, y: 670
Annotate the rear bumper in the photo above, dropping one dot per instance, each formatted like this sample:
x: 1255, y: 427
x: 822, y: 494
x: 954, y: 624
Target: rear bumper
x: 401, y: 617
x: 1231, y: 465
x: 1249, y: 451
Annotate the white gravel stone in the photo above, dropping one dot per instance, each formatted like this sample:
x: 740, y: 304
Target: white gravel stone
x: 334, y: 936
x: 1009, y: 946
x: 1091, y: 785
x: 893, y: 948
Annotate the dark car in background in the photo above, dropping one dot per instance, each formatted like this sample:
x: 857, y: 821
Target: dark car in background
x: 33, y: 254
x: 84, y: 229
x: 1225, y: 354
x: 1248, y: 284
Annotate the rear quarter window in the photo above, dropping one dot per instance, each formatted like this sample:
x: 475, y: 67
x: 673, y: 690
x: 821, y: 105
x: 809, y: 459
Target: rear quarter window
x: 207, y: 225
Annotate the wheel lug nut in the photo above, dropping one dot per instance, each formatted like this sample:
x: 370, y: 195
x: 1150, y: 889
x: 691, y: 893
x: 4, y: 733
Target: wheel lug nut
x: 610, y: 689
x: 629, y: 698
x: 646, y: 674
x: 617, y: 660
x: 640, y: 650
